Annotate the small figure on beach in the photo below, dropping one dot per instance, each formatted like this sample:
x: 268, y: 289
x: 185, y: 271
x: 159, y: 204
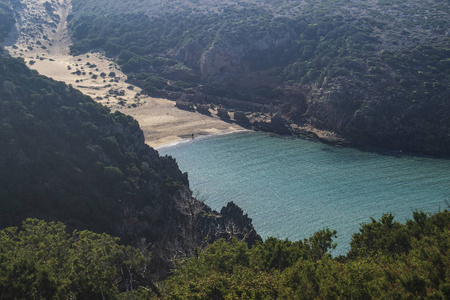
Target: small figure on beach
x: 192, y: 136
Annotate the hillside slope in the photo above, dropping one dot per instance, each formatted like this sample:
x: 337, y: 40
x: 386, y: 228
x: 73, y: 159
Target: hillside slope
x: 64, y: 157
x: 375, y: 72
x: 6, y: 19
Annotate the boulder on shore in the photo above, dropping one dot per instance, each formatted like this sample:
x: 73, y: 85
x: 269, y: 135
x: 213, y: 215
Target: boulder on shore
x: 241, y: 118
x: 203, y: 109
x: 184, y: 105
x: 223, y: 113
x: 278, y: 124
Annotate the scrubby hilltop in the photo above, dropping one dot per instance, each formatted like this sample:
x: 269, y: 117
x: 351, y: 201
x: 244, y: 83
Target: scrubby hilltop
x: 374, y: 72
x: 64, y: 157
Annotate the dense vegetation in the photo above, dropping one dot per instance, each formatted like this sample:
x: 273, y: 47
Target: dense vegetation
x: 63, y: 152
x: 387, y: 260
x: 6, y: 19
x: 367, y: 70
x: 43, y: 261
x: 64, y: 157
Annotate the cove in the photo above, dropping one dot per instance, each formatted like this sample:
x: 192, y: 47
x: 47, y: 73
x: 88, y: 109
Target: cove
x: 292, y: 188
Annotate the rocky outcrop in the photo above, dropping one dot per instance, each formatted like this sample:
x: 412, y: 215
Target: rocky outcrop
x: 191, y: 53
x: 203, y: 109
x: 184, y: 105
x: 190, y: 225
x: 221, y: 62
x: 386, y: 120
x: 229, y: 60
x: 241, y: 118
x: 223, y: 113
x: 238, y: 225
x: 279, y: 124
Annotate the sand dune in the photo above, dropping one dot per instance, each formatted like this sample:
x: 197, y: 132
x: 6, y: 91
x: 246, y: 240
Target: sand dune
x: 43, y: 42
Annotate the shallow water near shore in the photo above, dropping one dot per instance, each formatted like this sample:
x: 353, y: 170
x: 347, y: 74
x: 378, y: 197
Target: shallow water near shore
x: 292, y: 188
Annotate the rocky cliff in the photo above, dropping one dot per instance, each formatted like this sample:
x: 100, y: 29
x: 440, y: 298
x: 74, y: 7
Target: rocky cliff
x: 384, y: 113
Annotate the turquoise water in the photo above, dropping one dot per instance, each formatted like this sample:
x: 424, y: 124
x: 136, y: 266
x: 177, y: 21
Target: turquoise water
x: 291, y: 187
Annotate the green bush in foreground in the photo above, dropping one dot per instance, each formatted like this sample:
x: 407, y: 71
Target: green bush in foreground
x: 42, y: 261
x: 387, y: 260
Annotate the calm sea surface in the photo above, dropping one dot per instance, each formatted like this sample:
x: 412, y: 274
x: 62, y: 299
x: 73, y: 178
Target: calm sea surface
x: 291, y: 188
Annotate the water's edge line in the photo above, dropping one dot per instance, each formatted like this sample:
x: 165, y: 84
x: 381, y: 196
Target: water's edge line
x: 201, y: 137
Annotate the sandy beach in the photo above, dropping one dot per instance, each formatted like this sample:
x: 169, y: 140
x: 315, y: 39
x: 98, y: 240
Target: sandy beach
x: 47, y: 51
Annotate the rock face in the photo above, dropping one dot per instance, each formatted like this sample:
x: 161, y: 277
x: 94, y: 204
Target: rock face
x: 237, y: 224
x: 241, y: 118
x: 203, y: 109
x: 223, y: 113
x: 184, y: 105
x: 221, y: 63
x: 392, y: 121
x: 229, y: 61
x: 278, y: 124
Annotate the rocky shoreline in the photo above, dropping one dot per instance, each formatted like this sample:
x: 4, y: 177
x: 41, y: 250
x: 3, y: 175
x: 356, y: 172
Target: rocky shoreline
x: 266, y: 118
x: 269, y: 118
